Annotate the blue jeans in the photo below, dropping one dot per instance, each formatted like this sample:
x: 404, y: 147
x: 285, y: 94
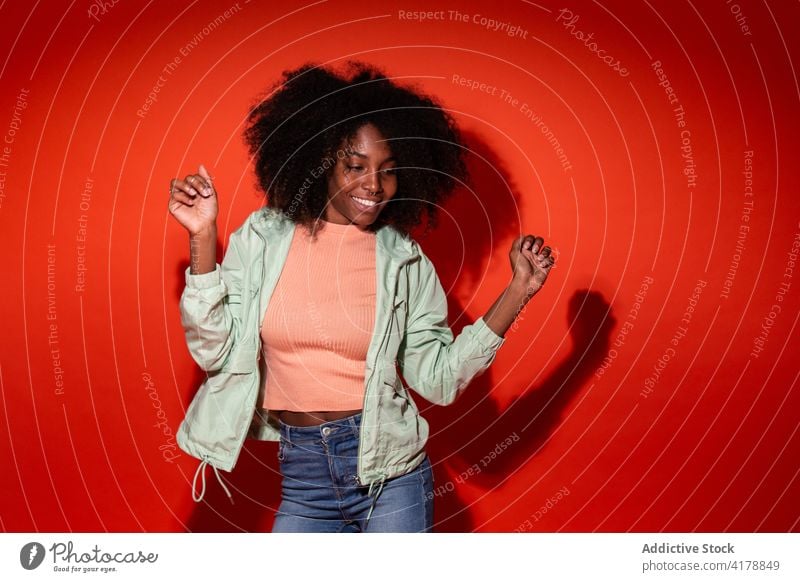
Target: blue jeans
x: 320, y: 493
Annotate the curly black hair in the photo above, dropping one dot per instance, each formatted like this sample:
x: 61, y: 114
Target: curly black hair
x: 307, y: 115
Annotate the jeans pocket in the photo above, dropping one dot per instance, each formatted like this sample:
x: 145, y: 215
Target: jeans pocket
x: 282, y: 446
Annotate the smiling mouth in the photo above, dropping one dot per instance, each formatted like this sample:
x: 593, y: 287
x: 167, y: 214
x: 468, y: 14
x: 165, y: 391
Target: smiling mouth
x: 365, y: 204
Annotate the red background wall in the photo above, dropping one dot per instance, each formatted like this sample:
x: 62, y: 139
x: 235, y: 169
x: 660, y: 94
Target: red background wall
x: 702, y: 437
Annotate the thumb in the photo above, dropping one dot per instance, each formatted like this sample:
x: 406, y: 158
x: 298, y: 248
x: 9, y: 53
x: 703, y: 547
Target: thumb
x: 205, y: 174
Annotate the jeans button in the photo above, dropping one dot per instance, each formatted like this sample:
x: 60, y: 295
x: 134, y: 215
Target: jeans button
x: 326, y: 430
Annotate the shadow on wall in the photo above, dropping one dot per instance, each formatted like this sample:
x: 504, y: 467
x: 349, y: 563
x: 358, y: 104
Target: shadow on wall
x: 463, y: 433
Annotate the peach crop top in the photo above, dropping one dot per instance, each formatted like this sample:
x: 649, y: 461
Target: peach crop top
x: 319, y: 321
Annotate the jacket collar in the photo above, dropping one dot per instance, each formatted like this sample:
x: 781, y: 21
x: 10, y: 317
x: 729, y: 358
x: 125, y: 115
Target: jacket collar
x: 273, y: 224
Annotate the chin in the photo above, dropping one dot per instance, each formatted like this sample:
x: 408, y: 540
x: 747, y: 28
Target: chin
x: 364, y: 220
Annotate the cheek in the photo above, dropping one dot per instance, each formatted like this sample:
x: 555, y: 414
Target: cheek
x: 346, y: 181
x: 390, y: 187
x: 340, y: 182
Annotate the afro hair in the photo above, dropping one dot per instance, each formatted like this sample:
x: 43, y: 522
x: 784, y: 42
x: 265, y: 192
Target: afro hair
x: 312, y: 111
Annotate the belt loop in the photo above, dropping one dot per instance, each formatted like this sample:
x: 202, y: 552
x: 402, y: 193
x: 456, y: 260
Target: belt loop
x: 287, y: 432
x: 282, y: 431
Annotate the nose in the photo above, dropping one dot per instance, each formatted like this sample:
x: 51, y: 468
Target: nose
x: 372, y: 183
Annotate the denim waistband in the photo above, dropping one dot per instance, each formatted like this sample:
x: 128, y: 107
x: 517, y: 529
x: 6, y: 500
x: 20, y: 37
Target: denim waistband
x: 341, y: 427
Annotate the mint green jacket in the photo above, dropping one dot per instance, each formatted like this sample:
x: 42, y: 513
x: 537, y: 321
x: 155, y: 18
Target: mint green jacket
x: 222, y: 310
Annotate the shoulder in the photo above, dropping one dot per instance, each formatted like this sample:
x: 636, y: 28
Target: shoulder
x: 419, y: 266
x: 266, y: 216
x: 401, y: 246
x: 262, y: 219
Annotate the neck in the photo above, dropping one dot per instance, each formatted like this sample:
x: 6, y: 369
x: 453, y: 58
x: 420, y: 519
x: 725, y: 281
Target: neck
x: 338, y: 226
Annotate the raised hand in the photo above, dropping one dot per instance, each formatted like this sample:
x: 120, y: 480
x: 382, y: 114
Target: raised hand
x: 530, y: 262
x: 193, y: 202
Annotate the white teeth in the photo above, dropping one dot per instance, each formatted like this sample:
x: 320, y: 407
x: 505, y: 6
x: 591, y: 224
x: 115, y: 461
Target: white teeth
x: 364, y: 201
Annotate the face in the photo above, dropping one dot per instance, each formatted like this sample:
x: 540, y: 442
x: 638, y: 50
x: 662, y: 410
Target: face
x: 363, y: 180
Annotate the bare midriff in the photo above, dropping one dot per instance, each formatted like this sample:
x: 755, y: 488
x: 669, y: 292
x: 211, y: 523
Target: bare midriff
x: 296, y: 418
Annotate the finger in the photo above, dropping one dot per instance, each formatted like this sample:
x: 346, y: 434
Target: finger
x: 545, y: 260
x: 183, y: 198
x: 537, y: 244
x: 199, y: 184
x: 208, y: 186
x: 204, y: 173
x: 527, y: 242
x: 186, y: 186
x: 209, y: 181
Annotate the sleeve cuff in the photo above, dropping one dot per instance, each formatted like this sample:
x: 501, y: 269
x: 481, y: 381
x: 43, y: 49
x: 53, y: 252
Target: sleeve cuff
x: 485, y: 335
x: 203, y: 280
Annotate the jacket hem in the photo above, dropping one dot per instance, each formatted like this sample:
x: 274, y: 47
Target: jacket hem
x: 203, y: 280
x: 487, y: 338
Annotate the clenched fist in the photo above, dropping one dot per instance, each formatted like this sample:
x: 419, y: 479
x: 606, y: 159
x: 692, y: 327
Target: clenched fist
x: 530, y: 262
x: 193, y: 202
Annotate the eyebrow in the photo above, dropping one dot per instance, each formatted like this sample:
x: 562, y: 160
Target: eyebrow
x: 360, y: 155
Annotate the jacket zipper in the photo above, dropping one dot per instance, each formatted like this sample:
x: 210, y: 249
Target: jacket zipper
x: 380, y: 351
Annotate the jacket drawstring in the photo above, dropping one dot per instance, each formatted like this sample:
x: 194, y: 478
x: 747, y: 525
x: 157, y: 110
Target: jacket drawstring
x: 201, y: 471
x: 375, y: 498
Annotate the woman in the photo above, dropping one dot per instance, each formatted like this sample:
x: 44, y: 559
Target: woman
x: 326, y: 283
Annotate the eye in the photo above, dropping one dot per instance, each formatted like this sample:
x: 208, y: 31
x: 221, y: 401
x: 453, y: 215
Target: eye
x: 389, y: 171
x: 357, y: 168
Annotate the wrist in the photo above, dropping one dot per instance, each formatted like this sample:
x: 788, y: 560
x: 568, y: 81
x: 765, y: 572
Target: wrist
x: 205, y: 233
x: 525, y: 288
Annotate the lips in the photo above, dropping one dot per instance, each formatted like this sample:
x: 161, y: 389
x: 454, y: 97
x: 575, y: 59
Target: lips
x: 366, y: 205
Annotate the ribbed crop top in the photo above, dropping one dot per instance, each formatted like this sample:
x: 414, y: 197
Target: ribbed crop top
x: 320, y: 320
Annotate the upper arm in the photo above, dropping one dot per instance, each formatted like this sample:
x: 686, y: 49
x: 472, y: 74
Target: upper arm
x: 434, y: 363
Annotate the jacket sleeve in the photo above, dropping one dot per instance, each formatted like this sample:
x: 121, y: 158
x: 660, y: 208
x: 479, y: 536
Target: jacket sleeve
x: 211, y: 309
x: 434, y: 364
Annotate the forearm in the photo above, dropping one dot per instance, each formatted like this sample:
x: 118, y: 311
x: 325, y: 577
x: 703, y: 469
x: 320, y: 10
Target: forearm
x: 203, y: 251
x: 505, y: 309
x: 207, y: 317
